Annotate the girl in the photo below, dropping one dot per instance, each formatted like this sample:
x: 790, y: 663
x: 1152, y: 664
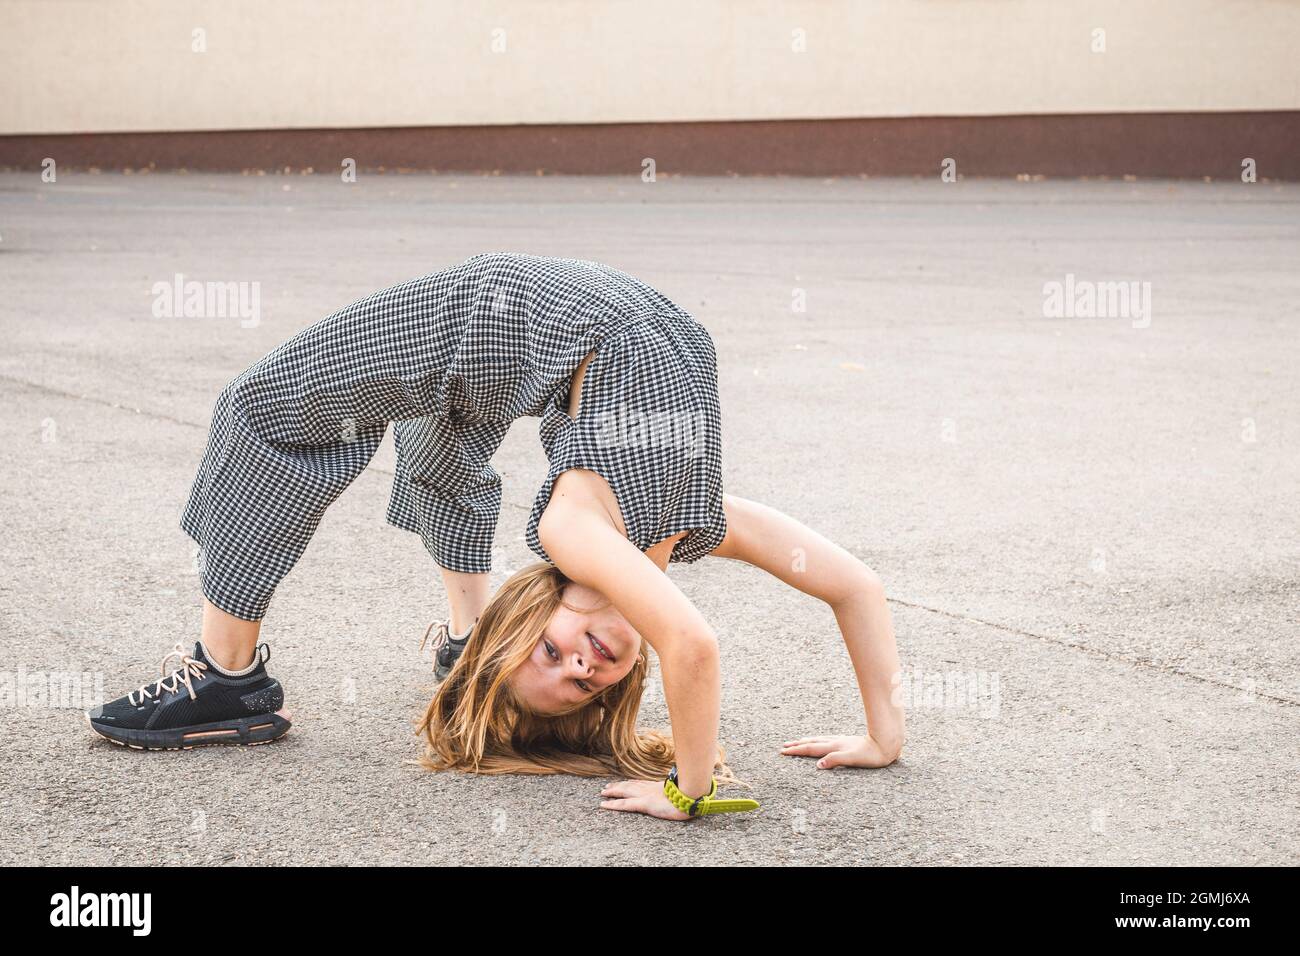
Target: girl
x: 625, y: 385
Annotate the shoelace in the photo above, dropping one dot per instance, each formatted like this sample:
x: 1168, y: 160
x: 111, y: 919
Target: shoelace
x: 440, y: 639
x: 189, y: 669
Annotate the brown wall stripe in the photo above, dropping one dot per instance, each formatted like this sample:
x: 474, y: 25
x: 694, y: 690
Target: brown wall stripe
x: 1176, y: 145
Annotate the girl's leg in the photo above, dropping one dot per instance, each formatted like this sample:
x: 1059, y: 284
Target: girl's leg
x: 467, y: 594
x: 292, y: 431
x: 446, y: 490
x: 288, y: 435
x: 230, y: 641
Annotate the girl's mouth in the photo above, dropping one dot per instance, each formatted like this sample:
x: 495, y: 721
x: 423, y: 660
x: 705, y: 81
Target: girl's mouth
x: 601, y: 649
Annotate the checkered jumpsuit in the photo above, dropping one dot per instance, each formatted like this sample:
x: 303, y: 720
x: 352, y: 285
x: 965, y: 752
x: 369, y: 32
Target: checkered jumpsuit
x: 454, y: 358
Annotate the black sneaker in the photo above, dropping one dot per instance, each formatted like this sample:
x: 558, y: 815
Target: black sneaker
x: 446, y: 649
x: 196, y: 706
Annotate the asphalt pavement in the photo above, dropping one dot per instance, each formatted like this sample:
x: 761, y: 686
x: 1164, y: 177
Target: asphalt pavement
x: 1087, y: 524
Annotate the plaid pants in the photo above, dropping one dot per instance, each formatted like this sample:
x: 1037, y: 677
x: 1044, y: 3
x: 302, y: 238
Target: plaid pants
x: 453, y: 359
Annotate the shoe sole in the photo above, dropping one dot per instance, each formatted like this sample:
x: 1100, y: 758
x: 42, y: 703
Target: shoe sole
x: 244, y: 732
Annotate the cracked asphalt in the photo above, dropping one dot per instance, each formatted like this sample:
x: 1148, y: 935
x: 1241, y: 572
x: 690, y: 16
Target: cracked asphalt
x: 1087, y: 526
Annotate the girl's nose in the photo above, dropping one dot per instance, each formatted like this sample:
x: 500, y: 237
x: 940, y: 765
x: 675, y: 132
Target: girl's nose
x: 582, y: 665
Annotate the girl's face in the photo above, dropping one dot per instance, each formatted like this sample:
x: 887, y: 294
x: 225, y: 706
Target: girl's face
x: 579, y: 654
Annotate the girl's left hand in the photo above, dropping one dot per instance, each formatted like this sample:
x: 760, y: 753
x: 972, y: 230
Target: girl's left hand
x: 641, y: 796
x: 840, y: 751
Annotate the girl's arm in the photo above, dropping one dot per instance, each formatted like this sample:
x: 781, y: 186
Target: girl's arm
x: 802, y: 558
x: 577, y: 532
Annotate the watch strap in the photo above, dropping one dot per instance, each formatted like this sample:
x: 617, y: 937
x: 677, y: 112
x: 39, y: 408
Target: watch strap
x: 710, y: 803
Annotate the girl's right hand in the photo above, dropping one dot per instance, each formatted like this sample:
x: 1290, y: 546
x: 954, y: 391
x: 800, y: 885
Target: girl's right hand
x: 842, y: 751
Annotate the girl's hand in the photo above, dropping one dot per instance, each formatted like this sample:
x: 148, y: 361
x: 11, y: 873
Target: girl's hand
x: 842, y: 751
x: 641, y: 796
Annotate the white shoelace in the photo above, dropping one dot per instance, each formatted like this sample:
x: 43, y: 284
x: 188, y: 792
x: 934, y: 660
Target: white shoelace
x: 189, y: 669
x: 439, y: 639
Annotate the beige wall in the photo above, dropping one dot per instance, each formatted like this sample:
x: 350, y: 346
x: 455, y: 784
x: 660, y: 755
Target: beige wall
x: 122, y: 65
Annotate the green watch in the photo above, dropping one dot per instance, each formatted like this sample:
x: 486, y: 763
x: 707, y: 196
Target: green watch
x: 709, y: 803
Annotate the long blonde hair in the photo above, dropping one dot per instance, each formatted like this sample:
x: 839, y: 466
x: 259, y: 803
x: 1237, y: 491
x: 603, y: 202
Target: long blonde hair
x: 476, y: 724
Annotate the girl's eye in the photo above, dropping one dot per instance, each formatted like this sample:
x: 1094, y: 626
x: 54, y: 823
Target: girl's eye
x: 550, y: 650
x: 583, y: 686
